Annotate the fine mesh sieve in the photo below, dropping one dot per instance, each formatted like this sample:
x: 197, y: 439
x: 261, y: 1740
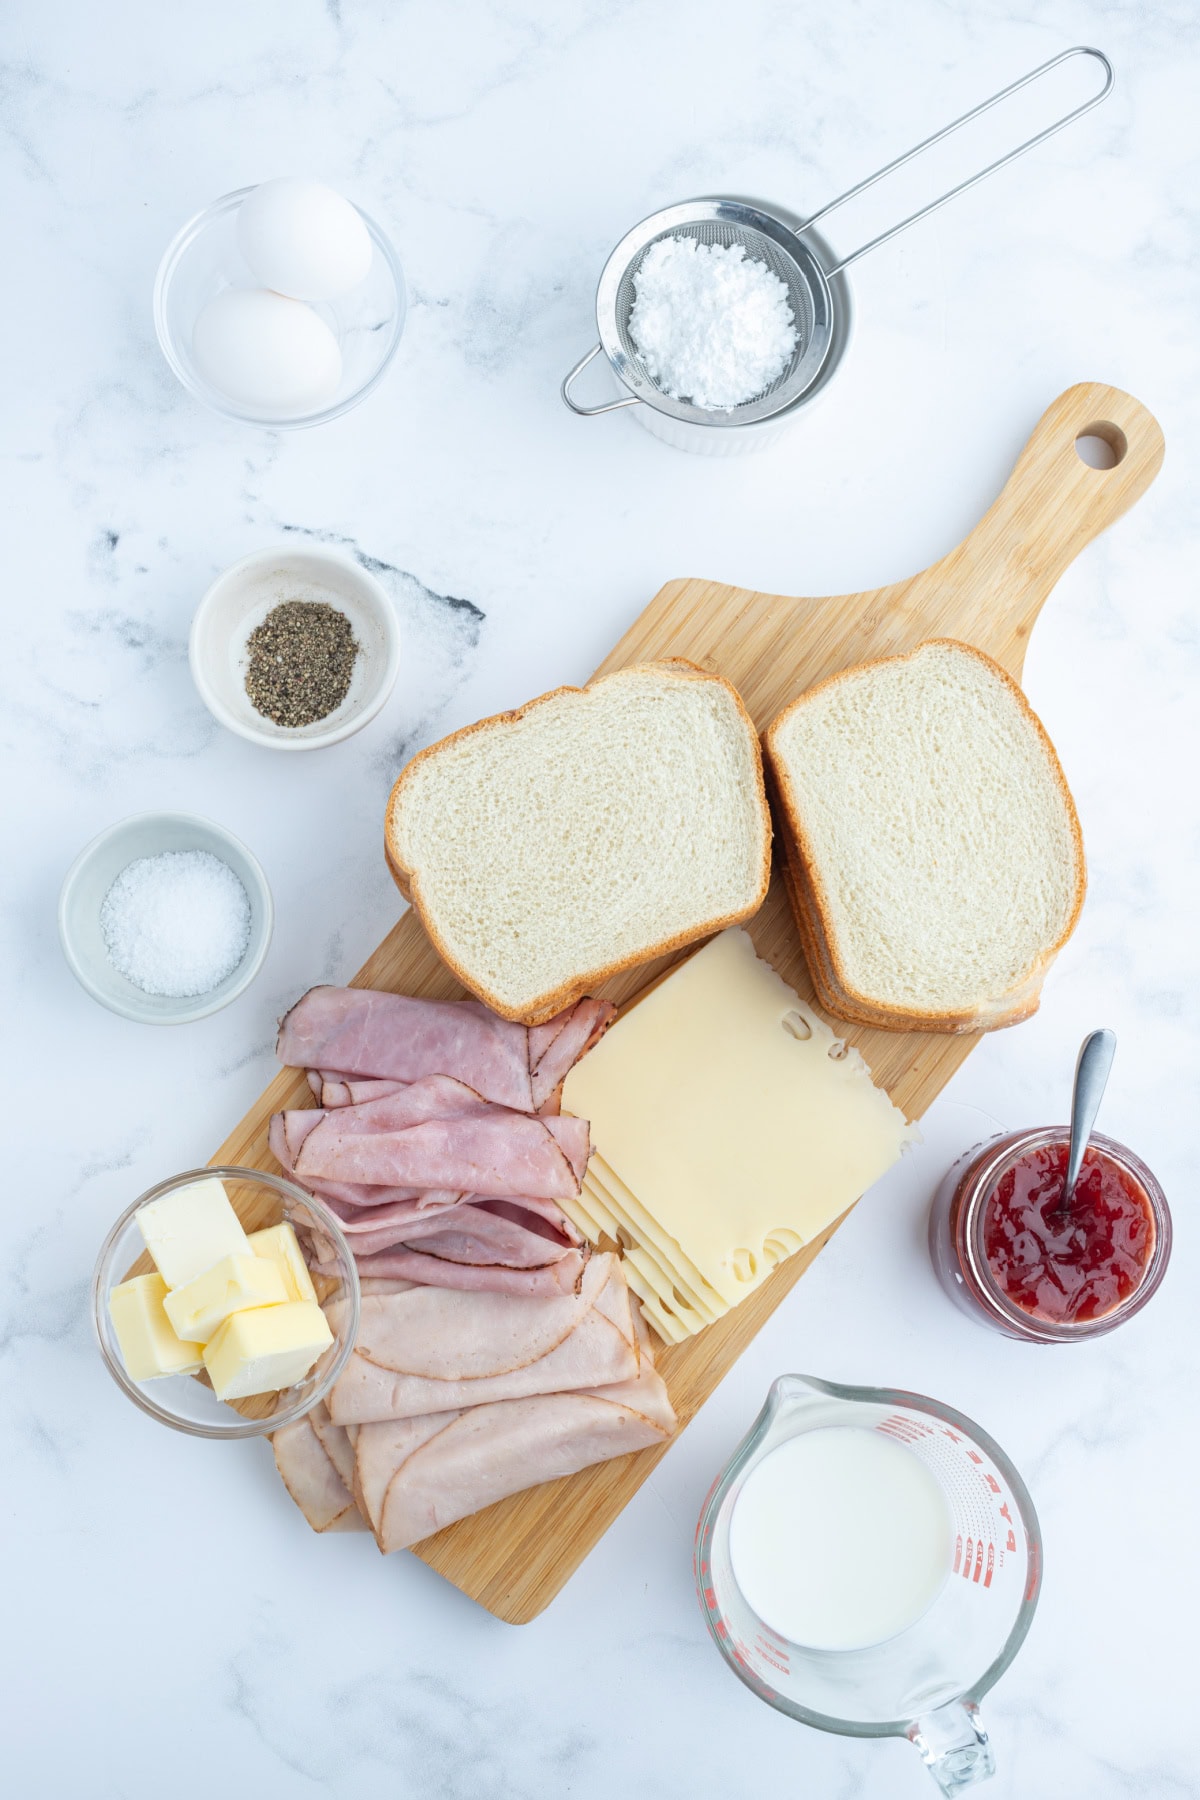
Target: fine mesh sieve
x: 788, y: 255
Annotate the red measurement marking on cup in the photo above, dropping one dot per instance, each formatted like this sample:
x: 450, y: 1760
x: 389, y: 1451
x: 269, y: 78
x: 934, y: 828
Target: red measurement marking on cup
x: 976, y: 1556
x: 980, y: 1556
x: 769, y: 1653
x: 907, y: 1430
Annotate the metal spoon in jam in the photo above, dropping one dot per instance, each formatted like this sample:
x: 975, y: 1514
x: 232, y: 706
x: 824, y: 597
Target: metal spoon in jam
x: 1091, y: 1078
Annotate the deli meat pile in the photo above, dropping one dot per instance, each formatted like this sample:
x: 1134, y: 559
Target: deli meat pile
x: 437, y: 1140
x: 494, y: 1350
x: 393, y: 1037
x: 454, y: 1400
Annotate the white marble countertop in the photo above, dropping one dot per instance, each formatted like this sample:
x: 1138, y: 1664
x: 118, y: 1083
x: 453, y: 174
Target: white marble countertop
x: 170, y: 1625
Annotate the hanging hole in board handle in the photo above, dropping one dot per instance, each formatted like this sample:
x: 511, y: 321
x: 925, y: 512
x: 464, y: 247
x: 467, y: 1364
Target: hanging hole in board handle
x: 1101, y: 445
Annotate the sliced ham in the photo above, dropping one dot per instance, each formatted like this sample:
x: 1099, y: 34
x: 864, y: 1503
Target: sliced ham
x: 407, y: 1103
x: 495, y: 1152
x: 354, y: 1032
x: 398, y: 1038
x: 332, y: 1089
x: 546, y: 1216
x: 542, y: 1036
x: 573, y: 1034
x: 349, y: 1195
x: 494, y: 1246
x: 432, y: 1349
x: 319, y: 1485
x: 415, y: 1475
x: 470, y: 1247
x: 430, y: 1102
x: 465, y: 1234
x: 293, y: 1128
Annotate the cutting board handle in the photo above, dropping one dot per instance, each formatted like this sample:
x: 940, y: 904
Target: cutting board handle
x: 1053, y: 504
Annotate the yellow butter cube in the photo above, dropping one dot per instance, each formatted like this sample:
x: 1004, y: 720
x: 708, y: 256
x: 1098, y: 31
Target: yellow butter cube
x: 150, y: 1346
x: 266, y: 1348
x: 232, y: 1285
x: 279, y: 1244
x: 190, y: 1229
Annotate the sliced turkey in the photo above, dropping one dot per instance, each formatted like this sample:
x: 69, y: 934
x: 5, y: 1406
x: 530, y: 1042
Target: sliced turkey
x: 413, y: 1476
x: 432, y: 1349
x: 318, y: 1484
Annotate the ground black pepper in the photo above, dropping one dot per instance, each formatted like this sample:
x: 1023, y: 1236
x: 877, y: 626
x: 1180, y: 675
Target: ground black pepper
x: 300, y: 660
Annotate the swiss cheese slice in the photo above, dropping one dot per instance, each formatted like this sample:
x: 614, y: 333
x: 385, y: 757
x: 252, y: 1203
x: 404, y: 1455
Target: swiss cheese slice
x: 597, y: 1221
x: 730, y: 1128
x: 636, y: 1230
x: 670, y: 1328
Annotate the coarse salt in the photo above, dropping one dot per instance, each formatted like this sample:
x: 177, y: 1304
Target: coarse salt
x: 176, y: 924
x: 713, y: 326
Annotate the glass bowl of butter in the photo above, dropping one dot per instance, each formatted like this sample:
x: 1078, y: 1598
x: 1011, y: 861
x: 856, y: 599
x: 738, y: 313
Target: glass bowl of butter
x: 225, y: 1302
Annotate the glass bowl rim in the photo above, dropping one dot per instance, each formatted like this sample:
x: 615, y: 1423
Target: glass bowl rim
x: 168, y: 264
x: 244, y: 1428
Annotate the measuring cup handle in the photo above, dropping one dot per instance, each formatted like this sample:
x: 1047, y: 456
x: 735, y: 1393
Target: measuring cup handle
x: 954, y: 1745
x: 591, y: 412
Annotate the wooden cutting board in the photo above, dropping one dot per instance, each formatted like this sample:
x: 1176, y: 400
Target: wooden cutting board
x: 514, y: 1557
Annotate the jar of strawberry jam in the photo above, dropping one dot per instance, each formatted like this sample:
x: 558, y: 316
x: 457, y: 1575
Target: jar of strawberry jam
x: 1008, y: 1253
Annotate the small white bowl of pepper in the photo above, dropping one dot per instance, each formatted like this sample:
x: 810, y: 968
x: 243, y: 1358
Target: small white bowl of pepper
x: 295, y: 647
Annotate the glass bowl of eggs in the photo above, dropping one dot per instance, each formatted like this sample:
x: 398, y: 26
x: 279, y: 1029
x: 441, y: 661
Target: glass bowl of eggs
x: 280, y: 305
x: 225, y: 1302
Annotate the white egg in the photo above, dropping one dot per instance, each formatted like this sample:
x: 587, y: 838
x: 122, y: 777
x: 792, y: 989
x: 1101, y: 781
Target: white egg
x: 266, y: 352
x: 301, y: 238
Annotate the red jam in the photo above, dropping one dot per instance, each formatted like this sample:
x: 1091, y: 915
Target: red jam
x: 1074, y: 1265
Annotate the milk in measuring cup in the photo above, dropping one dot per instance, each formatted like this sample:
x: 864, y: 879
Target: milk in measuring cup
x: 840, y: 1538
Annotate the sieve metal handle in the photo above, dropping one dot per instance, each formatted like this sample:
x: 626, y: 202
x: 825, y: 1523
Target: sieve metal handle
x: 985, y: 106
x: 590, y: 412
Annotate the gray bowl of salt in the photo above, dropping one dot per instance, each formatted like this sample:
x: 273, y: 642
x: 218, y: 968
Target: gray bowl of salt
x: 213, y: 937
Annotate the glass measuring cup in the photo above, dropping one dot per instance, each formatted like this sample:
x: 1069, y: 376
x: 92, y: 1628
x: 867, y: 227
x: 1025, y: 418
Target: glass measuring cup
x: 924, y: 1684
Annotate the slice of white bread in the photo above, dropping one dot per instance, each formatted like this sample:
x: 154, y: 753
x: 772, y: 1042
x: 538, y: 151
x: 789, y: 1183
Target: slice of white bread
x: 934, y: 858
x: 589, y: 831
